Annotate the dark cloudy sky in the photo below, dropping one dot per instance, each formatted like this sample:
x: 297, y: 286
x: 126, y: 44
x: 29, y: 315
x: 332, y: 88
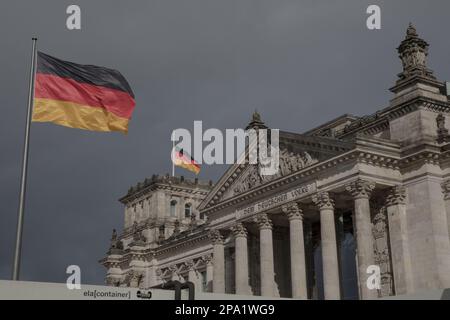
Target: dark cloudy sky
x: 300, y: 63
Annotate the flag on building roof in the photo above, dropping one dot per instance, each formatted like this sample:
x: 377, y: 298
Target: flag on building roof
x: 81, y: 96
x: 183, y: 159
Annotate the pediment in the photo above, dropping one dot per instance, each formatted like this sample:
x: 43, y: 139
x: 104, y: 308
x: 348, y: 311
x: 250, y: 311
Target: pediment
x: 297, y: 151
x: 241, y: 178
x: 250, y: 176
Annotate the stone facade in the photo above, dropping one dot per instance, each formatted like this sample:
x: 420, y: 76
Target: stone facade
x: 352, y: 193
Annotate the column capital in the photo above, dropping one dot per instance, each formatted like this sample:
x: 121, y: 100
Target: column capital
x: 396, y: 196
x: 292, y: 211
x: 360, y: 188
x: 323, y: 200
x: 239, y: 230
x: 446, y: 189
x: 263, y: 221
x: 216, y: 237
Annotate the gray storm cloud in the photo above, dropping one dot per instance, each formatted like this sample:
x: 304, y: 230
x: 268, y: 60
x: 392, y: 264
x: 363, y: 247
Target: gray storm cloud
x: 300, y: 63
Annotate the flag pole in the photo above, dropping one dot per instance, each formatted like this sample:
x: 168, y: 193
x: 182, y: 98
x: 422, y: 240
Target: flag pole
x: 23, y: 181
x: 173, y: 164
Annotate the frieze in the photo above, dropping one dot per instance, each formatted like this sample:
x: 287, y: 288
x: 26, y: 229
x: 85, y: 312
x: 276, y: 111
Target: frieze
x: 276, y: 201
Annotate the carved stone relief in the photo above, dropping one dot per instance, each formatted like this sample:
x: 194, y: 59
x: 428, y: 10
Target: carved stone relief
x: 382, y: 252
x: 289, y: 162
x: 133, y: 279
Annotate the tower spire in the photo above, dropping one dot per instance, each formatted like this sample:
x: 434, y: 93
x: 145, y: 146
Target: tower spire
x: 256, y: 122
x: 413, y: 52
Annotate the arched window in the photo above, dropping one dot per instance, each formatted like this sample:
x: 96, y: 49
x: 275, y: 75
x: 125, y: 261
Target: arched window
x: 173, y: 208
x: 187, y: 210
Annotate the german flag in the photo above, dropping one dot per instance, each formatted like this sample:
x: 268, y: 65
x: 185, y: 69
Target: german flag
x: 81, y: 96
x: 183, y: 159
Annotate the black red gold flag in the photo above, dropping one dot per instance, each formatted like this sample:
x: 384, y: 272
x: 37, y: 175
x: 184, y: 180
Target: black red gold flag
x: 183, y: 159
x: 81, y: 96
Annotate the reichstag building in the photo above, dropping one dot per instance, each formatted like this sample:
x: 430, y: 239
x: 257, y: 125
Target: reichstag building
x: 352, y: 193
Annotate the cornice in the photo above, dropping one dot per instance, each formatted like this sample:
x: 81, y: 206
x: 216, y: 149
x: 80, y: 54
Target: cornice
x: 188, y: 240
x: 379, y: 121
x: 142, y: 193
x: 425, y: 156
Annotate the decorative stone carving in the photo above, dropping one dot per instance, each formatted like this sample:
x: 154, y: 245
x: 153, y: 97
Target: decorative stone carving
x: 413, y: 52
x: 176, y: 228
x: 173, y: 269
x: 293, y: 211
x: 159, y: 273
x: 116, y: 245
x: 189, y: 265
x: 440, y: 123
x: 360, y: 188
x: 446, y: 189
x: 114, y: 235
x: 263, y: 221
x: 113, y: 282
x: 396, y: 196
x: 442, y: 132
x: 239, y: 230
x: 207, y: 259
x: 133, y: 278
x: 251, y: 178
x: 382, y: 251
x: 291, y: 162
x: 216, y: 237
x: 139, y: 238
x: 323, y: 200
x: 256, y: 122
x: 134, y: 227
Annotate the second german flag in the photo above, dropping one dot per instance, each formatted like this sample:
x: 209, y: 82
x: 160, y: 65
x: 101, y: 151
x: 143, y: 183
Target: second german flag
x: 183, y: 159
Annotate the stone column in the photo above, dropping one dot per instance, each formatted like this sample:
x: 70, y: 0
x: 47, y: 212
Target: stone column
x: 218, y: 262
x: 446, y: 191
x: 209, y: 271
x: 398, y: 236
x: 361, y: 191
x: 297, y: 245
x: 330, y: 262
x: 241, y: 260
x: 266, y: 252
